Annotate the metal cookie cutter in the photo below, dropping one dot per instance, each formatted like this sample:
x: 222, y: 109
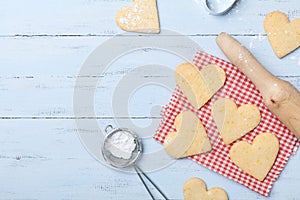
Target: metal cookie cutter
x: 218, y: 7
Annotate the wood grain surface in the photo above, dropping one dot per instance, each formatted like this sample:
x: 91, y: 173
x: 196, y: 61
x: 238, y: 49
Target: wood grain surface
x: 43, y: 45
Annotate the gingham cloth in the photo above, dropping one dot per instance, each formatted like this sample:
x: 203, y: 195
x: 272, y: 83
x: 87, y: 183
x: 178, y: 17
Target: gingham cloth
x: 240, y: 89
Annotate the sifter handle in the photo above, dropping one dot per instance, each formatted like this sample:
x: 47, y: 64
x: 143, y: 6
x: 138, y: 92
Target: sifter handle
x: 279, y: 96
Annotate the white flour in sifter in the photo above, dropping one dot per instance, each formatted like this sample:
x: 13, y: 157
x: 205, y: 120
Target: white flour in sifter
x: 121, y: 144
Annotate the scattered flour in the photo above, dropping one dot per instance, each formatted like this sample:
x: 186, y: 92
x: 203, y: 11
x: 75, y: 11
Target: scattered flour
x: 251, y: 45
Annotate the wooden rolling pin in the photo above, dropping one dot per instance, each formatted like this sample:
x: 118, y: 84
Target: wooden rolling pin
x: 279, y: 96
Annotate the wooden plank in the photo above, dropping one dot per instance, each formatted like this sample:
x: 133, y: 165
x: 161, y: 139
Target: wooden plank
x: 85, y: 17
x: 43, y: 159
x: 39, y: 74
x: 63, y: 56
x: 53, y: 97
x: 44, y: 44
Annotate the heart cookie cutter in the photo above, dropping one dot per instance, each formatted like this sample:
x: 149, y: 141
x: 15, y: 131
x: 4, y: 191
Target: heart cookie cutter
x: 218, y: 7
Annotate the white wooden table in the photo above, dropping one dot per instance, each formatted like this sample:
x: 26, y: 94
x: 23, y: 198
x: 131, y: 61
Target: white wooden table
x: 43, y: 44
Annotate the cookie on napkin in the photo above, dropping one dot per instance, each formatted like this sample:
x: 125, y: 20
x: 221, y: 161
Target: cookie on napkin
x: 199, y: 86
x: 189, y: 139
x: 234, y: 122
x: 256, y: 159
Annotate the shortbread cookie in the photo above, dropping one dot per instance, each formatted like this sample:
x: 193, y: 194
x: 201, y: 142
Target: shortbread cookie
x: 283, y: 35
x: 190, y: 138
x: 195, y: 189
x: 233, y: 122
x: 199, y: 86
x: 256, y: 159
x: 141, y: 17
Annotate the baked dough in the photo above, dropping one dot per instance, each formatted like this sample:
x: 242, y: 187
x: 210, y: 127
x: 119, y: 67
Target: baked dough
x: 195, y: 189
x: 199, y: 86
x: 283, y: 35
x: 190, y: 138
x: 233, y: 122
x: 256, y: 159
x: 141, y: 17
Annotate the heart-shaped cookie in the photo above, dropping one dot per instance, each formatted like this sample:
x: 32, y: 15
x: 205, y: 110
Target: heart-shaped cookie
x: 199, y: 86
x: 141, y: 17
x: 256, y: 159
x: 190, y: 138
x: 195, y: 189
x: 283, y: 35
x: 233, y: 122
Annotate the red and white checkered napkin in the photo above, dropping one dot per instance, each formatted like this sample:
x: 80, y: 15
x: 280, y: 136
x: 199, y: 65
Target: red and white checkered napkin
x: 240, y: 89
